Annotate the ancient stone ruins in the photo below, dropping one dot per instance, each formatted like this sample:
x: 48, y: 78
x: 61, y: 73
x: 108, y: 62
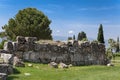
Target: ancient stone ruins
x: 75, y: 53
x: 45, y: 51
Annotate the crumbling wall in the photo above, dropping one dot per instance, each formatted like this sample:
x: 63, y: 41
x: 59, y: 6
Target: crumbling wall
x: 86, y: 53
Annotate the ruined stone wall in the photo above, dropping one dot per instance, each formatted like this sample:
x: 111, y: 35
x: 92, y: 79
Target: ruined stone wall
x: 86, y: 53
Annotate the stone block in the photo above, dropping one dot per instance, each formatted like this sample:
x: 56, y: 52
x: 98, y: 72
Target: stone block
x: 18, y: 62
x: 3, y: 76
x: 53, y: 65
x: 6, y: 68
x: 6, y: 57
x: 31, y: 39
x: 15, y: 46
x: 8, y: 46
x: 21, y: 40
x: 63, y: 65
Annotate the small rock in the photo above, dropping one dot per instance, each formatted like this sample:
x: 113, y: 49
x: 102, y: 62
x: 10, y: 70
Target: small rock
x: 70, y: 65
x: 17, y: 62
x: 30, y: 65
x: 27, y: 74
x: 53, y: 65
x: 109, y: 64
x: 63, y: 65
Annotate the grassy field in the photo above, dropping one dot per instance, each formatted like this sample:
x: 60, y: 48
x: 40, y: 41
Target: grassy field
x: 44, y: 72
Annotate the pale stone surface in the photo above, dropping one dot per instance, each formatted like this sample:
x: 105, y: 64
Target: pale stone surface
x: 110, y: 64
x: 6, y: 57
x: 53, y: 65
x: 27, y: 74
x: 8, y: 46
x: 30, y: 65
x: 18, y: 62
x: 63, y: 65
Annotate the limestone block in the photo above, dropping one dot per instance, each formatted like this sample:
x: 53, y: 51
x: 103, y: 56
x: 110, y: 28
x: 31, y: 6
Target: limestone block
x: 21, y: 40
x: 110, y: 64
x: 31, y: 56
x: 8, y: 46
x: 18, y: 62
x: 15, y: 46
x: 53, y: 65
x: 6, y: 68
x: 63, y: 65
x: 3, y: 76
x: 31, y: 39
x: 6, y: 57
x: 23, y: 47
x: 19, y: 54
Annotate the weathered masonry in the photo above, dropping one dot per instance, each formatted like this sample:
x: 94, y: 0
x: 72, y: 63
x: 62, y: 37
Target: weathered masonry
x: 85, y: 53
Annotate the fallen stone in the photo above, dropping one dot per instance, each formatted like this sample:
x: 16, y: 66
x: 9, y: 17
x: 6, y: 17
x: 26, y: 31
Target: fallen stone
x: 6, y: 57
x: 18, y: 62
x: 27, y: 74
x: 63, y: 65
x: 70, y: 65
x: 109, y: 64
x: 53, y: 65
x: 30, y: 65
x: 8, y: 46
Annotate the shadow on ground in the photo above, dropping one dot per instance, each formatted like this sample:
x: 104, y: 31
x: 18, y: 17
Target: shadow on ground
x: 11, y: 77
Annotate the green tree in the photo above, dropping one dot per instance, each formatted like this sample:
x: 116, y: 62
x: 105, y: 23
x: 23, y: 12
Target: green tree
x: 70, y: 38
x: 73, y: 37
x: 100, y: 37
x: 112, y: 47
x: 82, y: 36
x: 28, y: 22
x: 112, y: 44
x: 117, y: 45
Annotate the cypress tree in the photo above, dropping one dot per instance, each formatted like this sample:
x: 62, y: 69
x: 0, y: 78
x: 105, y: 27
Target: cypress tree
x: 73, y: 37
x: 117, y: 45
x: 100, y: 37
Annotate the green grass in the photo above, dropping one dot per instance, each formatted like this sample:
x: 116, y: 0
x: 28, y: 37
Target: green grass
x: 44, y: 72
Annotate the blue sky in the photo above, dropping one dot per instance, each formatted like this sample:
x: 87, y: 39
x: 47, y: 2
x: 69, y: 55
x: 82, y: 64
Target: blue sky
x: 70, y: 17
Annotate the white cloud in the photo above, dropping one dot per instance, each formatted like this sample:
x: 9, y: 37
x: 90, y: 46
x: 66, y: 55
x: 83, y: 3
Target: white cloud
x: 48, y: 11
x: 58, y: 31
x: 70, y: 32
x: 96, y: 9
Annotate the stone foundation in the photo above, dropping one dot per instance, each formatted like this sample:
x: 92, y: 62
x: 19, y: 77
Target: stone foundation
x: 85, y: 53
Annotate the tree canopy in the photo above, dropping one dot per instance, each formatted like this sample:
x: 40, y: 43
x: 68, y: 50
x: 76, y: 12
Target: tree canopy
x: 100, y: 37
x: 114, y: 45
x: 82, y: 36
x: 28, y: 22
